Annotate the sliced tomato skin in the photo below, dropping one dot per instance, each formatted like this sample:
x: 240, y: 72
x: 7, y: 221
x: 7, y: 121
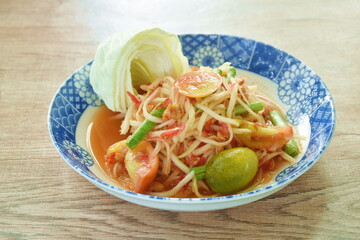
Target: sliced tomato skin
x: 269, y: 138
x: 141, y: 169
x: 198, y: 84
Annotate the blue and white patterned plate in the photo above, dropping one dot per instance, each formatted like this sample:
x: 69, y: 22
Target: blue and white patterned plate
x: 299, y: 89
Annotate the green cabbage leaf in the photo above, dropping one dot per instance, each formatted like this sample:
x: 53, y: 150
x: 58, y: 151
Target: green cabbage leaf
x: 124, y: 61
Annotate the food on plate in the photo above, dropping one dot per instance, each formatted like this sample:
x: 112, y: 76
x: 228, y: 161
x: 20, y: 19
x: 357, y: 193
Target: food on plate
x: 183, y: 131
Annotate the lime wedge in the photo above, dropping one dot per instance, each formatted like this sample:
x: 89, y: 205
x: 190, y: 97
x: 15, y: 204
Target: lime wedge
x: 231, y: 170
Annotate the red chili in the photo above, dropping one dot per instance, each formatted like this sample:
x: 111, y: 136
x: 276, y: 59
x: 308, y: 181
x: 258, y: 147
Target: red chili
x: 133, y: 98
x: 164, y: 104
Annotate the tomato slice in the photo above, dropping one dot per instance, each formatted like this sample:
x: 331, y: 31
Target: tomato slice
x: 198, y: 84
x: 116, y: 152
x: 269, y: 138
x: 141, y: 168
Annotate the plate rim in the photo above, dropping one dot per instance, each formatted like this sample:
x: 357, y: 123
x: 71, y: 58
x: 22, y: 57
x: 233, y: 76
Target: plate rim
x: 233, y: 197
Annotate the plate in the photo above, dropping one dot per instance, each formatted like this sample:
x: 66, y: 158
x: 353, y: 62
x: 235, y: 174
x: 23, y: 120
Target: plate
x: 301, y: 92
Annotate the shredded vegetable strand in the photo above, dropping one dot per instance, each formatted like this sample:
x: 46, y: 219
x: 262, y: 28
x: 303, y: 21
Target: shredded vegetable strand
x: 179, y: 163
x: 217, y: 116
x: 268, y: 157
x: 241, y: 130
x: 230, y: 108
x: 243, y: 96
x: 287, y: 157
x: 202, y: 149
x: 257, y: 116
x: 156, y: 150
x: 215, y: 143
x: 135, y: 123
x: 163, y: 124
x: 203, y: 119
x: 188, y: 119
x: 173, y: 176
x: 208, y: 155
x: 268, y: 100
x: 226, y: 84
x: 125, y: 126
x: 190, y: 148
x: 115, y: 170
x: 220, y: 96
x: 153, y: 85
x: 195, y: 188
x: 144, y: 108
x: 167, y: 161
x: 177, y: 188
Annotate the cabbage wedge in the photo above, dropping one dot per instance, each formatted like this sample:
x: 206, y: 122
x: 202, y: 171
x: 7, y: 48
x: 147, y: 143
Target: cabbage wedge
x: 124, y: 61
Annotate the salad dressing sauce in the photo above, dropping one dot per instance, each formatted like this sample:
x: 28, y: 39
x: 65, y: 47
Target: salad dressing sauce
x: 103, y: 133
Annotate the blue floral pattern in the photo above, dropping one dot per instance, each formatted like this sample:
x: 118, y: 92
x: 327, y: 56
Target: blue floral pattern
x: 202, y: 50
x: 83, y: 87
x: 299, y: 109
x: 302, y: 90
x: 299, y: 88
x: 69, y: 103
x: 208, y: 56
x: 81, y: 156
x: 296, y: 84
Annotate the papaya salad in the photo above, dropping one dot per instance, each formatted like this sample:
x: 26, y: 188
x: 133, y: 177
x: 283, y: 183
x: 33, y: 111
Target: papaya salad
x: 187, y: 131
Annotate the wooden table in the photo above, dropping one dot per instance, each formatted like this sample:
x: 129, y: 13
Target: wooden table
x: 43, y: 42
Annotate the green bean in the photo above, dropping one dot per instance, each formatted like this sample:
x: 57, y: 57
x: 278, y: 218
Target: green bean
x: 144, y: 128
x: 292, y: 148
x: 199, y: 172
x: 255, y: 106
x: 278, y: 119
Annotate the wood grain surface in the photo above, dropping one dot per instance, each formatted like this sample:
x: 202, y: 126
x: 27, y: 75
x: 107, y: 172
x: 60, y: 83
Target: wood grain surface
x: 43, y: 42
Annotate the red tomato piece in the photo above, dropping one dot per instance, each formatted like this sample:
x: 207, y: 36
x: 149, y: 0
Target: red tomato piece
x: 265, y: 137
x: 141, y: 168
x: 198, y: 84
